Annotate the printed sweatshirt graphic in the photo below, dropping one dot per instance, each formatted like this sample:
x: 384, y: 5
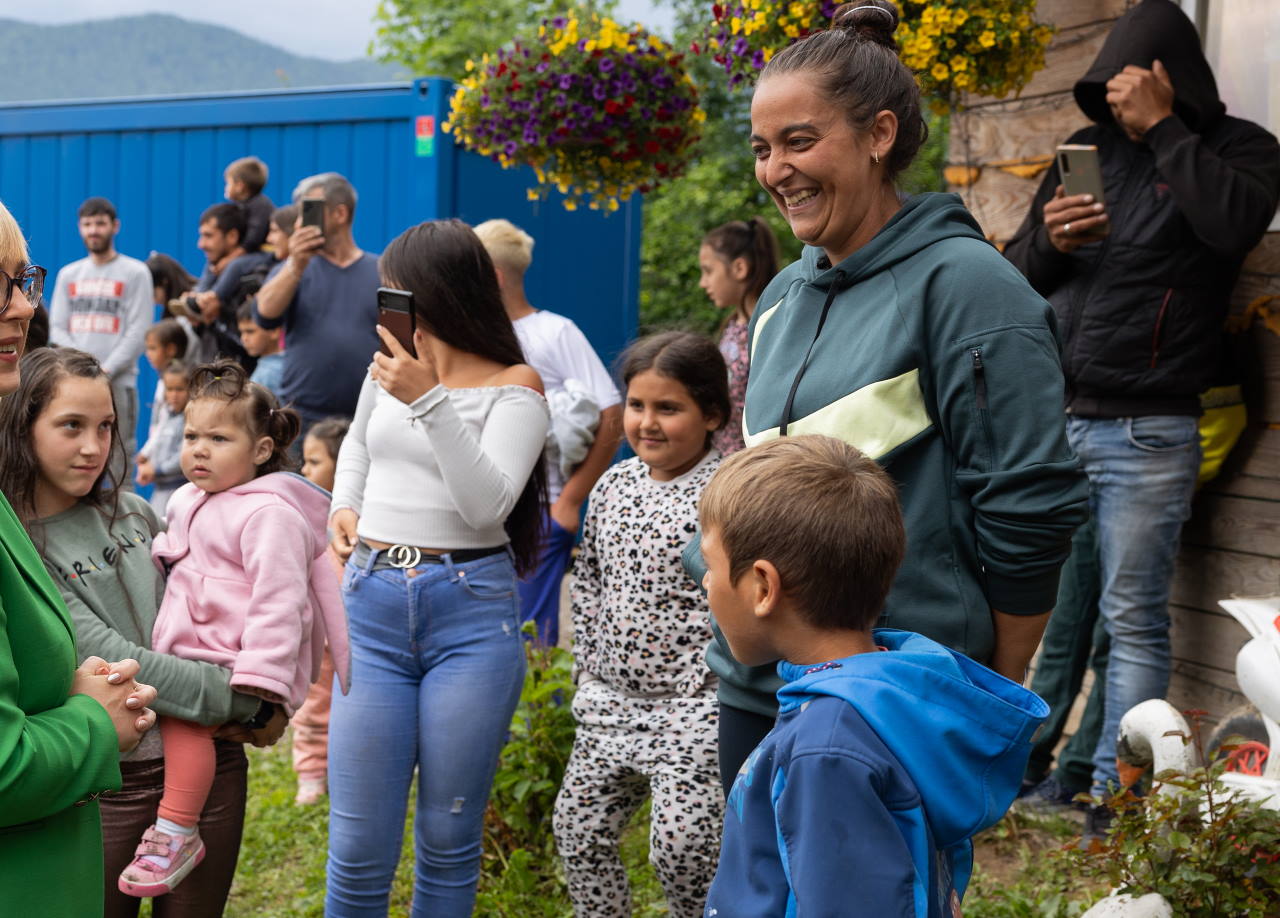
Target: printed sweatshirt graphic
x: 104, y: 310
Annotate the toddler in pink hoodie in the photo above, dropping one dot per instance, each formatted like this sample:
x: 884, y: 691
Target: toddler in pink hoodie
x: 248, y: 588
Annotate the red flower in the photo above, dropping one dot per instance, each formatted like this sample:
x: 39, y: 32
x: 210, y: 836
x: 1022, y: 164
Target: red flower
x: 516, y: 84
x: 696, y: 49
x: 612, y: 107
x: 502, y: 68
x: 717, y: 10
x: 652, y: 146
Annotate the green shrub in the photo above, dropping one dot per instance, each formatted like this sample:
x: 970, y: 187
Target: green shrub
x: 1203, y: 847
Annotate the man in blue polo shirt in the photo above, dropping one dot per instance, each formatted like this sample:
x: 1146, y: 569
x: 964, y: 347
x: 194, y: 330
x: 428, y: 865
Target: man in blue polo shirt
x: 325, y: 294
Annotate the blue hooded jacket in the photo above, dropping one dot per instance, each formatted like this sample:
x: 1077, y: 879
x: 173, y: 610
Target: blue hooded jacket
x: 863, y: 799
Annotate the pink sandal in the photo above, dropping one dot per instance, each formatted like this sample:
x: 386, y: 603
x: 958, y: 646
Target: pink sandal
x: 144, y: 877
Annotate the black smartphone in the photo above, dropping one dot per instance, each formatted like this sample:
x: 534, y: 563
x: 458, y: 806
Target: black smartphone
x: 395, y: 314
x: 313, y: 212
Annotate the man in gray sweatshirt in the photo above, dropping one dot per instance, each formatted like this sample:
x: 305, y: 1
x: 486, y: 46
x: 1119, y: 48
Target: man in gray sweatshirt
x: 103, y: 304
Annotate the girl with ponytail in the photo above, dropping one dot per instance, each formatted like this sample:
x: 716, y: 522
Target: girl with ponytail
x: 249, y: 589
x: 736, y: 261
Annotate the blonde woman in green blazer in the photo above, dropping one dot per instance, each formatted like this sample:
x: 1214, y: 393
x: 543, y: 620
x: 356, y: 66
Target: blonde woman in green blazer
x: 62, y: 729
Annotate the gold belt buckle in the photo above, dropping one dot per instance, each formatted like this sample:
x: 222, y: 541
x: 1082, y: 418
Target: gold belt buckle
x: 404, y: 556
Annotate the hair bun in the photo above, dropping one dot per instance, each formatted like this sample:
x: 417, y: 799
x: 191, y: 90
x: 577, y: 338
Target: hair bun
x: 870, y: 20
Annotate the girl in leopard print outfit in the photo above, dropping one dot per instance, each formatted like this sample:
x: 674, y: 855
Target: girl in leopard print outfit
x: 646, y: 703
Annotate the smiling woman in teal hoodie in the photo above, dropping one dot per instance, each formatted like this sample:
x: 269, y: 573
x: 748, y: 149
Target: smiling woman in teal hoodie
x: 904, y: 332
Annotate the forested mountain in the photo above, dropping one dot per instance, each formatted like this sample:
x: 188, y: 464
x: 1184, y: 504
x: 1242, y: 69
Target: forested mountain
x: 157, y: 54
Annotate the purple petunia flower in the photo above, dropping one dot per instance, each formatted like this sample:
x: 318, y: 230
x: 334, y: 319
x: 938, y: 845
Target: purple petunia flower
x: 542, y: 67
x: 740, y: 46
x: 530, y: 136
x: 570, y: 122
x: 485, y: 100
x: 510, y: 147
x: 559, y: 22
x: 606, y: 64
x: 757, y: 60
x: 561, y: 100
x: 599, y: 92
x: 566, y: 80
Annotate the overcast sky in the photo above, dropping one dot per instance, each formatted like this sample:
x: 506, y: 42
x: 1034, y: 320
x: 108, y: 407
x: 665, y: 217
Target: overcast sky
x: 334, y: 29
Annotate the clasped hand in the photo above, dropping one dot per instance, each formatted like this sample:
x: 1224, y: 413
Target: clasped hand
x: 114, y: 686
x: 1140, y: 98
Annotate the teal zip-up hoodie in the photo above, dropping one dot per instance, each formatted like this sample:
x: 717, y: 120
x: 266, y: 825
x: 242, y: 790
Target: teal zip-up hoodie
x: 938, y: 360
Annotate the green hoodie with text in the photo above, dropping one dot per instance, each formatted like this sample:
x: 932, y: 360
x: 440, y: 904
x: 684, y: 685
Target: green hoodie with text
x: 930, y: 353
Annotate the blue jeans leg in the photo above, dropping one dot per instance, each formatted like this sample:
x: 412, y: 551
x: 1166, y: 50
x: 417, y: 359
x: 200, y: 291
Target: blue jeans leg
x: 1142, y: 474
x: 540, y: 592
x: 437, y: 665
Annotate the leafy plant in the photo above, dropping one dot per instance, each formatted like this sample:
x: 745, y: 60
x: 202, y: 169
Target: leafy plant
x: 532, y: 764
x: 599, y: 110
x: 1203, y: 846
x: 954, y: 46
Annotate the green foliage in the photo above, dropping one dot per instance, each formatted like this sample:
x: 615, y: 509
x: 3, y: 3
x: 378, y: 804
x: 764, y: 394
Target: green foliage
x: 532, y: 764
x: 1036, y: 878
x: 438, y: 36
x: 1203, y: 847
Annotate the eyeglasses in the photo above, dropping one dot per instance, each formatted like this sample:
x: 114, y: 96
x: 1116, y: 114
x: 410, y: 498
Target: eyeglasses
x: 30, y: 281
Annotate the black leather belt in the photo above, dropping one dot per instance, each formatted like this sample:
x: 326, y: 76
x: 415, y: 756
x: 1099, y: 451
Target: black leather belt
x: 403, y: 557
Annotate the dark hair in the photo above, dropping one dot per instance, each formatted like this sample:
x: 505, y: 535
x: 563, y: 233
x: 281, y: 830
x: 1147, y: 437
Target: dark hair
x: 692, y: 360
x: 41, y: 370
x: 456, y: 298
x: 837, y: 545
x: 750, y: 239
x: 176, y: 366
x: 95, y: 206
x: 170, y: 332
x: 260, y: 411
x: 285, y: 217
x: 170, y: 276
x: 857, y: 61
x: 331, y: 432
x: 250, y: 170
x: 38, y: 327
x: 245, y: 311
x: 226, y: 217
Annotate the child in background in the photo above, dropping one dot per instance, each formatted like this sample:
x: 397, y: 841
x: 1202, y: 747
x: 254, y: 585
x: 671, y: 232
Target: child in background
x: 249, y: 588
x: 166, y: 341
x: 646, y: 703
x: 281, y: 229
x: 737, y: 260
x: 890, y: 750
x: 245, y: 178
x: 311, y: 723
x: 160, y: 459
x: 264, y: 344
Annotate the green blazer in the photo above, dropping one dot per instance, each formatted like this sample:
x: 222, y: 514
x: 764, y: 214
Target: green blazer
x: 57, y: 752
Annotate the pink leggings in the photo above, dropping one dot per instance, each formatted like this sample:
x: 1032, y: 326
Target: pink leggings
x: 189, y: 763
x: 311, y: 725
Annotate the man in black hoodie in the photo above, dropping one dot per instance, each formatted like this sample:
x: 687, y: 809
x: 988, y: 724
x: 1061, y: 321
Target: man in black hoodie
x: 1189, y: 191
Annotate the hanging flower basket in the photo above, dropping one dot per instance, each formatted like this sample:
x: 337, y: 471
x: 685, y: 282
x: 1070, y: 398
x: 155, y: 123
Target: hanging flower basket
x: 954, y: 47
x: 599, y: 110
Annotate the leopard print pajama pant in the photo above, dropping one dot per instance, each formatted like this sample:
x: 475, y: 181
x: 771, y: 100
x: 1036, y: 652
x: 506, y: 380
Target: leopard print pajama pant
x: 626, y: 749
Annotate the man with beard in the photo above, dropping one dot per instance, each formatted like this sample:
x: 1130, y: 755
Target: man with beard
x: 102, y: 304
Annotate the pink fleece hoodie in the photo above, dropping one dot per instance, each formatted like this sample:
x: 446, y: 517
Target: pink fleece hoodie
x: 250, y: 589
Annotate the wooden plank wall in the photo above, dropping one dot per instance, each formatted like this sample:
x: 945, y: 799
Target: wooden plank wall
x: 1231, y: 546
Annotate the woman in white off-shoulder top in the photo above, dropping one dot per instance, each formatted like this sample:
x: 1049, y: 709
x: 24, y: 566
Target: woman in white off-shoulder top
x: 436, y: 506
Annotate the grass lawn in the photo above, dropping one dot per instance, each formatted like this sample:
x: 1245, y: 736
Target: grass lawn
x: 281, y: 870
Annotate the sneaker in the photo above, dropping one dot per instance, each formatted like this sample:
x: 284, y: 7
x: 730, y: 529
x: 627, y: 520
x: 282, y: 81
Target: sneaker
x: 1097, y: 823
x: 145, y: 876
x: 1049, y: 797
x: 310, y: 789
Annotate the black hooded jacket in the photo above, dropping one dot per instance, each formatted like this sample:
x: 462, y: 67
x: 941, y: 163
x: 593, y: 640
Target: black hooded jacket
x: 1141, y: 311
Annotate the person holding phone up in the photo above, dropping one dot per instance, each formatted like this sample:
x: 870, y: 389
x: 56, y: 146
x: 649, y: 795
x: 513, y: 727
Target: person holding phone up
x: 324, y: 294
x: 1189, y: 191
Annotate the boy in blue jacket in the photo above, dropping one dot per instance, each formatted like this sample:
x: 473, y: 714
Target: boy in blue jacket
x: 890, y: 751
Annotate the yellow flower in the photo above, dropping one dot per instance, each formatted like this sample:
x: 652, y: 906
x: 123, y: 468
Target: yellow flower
x: 959, y: 17
x: 962, y: 81
x: 613, y: 204
x: 959, y: 63
x: 939, y: 72
x: 531, y: 194
x: 570, y: 204
x: 470, y: 65
x: 987, y: 39
x: 735, y: 25
x: 791, y: 31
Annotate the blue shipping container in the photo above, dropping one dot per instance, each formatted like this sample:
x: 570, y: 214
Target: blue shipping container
x: 161, y: 161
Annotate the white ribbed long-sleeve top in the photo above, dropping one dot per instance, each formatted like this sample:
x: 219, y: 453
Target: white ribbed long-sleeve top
x: 442, y: 472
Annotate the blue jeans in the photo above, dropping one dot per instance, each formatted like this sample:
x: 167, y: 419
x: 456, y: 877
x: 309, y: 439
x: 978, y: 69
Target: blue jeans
x: 436, y: 669
x: 540, y: 591
x: 1142, y: 475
